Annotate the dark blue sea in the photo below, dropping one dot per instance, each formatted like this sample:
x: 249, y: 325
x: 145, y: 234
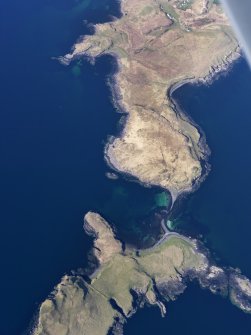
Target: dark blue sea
x: 222, y: 205
x: 219, y: 212
x: 54, y: 122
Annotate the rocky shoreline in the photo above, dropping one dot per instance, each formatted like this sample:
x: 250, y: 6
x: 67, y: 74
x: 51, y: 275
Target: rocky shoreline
x: 179, y: 167
x: 213, y: 75
x: 97, y: 306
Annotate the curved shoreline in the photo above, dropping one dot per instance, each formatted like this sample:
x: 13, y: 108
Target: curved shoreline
x: 213, y: 75
x: 119, y: 108
x: 208, y: 80
x: 182, y: 164
x: 75, y: 296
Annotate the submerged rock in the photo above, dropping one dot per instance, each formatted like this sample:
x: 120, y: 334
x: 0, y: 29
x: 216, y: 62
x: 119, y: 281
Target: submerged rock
x: 112, y: 175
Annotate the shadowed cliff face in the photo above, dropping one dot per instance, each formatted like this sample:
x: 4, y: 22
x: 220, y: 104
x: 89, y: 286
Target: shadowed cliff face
x: 239, y: 14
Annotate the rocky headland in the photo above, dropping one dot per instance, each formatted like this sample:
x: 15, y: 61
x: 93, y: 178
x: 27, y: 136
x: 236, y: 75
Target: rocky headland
x: 126, y: 280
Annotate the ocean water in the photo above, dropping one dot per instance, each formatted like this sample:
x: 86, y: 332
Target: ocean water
x: 219, y: 212
x: 221, y: 207
x: 196, y: 312
x: 54, y: 122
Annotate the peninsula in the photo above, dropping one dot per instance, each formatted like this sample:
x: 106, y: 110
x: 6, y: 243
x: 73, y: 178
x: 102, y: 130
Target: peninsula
x: 128, y: 279
x: 160, y: 44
